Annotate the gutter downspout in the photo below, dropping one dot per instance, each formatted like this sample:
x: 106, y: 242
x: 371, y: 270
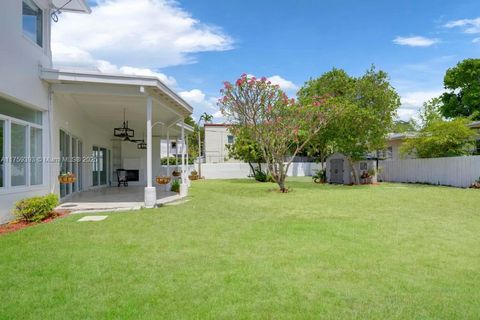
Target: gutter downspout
x: 51, y: 185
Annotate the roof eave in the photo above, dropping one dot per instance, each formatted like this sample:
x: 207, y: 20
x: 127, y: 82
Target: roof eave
x: 58, y: 76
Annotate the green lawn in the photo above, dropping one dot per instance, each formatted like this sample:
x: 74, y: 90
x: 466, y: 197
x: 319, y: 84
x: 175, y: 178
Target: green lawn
x: 238, y: 250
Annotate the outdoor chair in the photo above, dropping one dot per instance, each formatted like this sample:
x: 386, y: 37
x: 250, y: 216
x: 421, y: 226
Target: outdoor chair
x: 122, y: 177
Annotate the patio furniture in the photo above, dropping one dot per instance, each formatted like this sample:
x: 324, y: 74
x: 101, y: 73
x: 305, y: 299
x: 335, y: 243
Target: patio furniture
x: 122, y: 177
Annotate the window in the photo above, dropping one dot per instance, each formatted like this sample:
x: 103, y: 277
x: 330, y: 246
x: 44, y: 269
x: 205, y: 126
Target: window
x: 21, y: 146
x: 2, y: 153
x: 18, y: 154
x: 230, y: 139
x: 36, y: 164
x: 390, y: 153
x: 363, y: 166
x: 32, y: 21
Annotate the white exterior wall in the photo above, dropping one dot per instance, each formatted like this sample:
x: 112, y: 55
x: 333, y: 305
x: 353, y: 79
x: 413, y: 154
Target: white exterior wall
x: 216, y: 139
x: 453, y: 171
x: 20, y: 61
x: 21, y: 58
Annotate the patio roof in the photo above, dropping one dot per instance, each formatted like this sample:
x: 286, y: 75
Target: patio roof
x: 79, y: 6
x: 105, y: 97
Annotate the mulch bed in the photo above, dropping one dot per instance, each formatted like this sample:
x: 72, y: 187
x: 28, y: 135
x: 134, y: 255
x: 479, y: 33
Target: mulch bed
x: 19, y: 224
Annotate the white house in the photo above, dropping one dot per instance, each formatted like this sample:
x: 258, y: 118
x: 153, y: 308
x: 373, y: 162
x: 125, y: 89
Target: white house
x: 217, y: 137
x: 53, y: 121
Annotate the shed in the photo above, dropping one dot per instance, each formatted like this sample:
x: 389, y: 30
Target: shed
x: 338, y: 169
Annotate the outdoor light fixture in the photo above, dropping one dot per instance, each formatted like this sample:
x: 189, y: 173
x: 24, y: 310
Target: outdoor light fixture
x: 140, y: 143
x: 124, y: 132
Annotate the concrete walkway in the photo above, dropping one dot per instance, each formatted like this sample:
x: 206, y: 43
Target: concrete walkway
x: 114, y: 199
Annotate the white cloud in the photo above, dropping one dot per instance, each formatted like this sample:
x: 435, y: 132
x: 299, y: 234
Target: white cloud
x: 415, y: 41
x: 147, y: 33
x: 201, y: 103
x: 285, y: 84
x: 476, y: 40
x: 412, y: 102
x: 470, y: 26
x: 193, y: 96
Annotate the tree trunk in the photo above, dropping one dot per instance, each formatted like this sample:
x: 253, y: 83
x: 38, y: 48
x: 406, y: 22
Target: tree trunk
x: 251, y: 168
x: 353, y: 171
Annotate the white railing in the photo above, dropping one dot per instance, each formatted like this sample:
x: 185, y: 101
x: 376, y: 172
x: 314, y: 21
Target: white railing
x: 453, y: 171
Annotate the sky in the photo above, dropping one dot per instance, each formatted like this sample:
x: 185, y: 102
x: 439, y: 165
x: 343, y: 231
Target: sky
x: 193, y: 46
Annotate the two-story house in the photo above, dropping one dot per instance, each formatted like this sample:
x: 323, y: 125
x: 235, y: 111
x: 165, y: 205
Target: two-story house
x: 54, y: 121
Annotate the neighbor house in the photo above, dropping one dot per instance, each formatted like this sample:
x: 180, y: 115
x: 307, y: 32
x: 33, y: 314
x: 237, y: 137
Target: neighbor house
x: 217, y: 137
x: 56, y: 121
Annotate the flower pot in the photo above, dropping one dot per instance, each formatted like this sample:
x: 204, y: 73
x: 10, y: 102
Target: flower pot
x: 193, y: 177
x: 162, y: 180
x: 176, y: 173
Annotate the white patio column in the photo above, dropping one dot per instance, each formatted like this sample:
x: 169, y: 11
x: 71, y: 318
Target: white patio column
x: 150, y: 191
x: 184, y: 185
x: 187, y: 164
x: 168, y: 152
x: 176, y: 153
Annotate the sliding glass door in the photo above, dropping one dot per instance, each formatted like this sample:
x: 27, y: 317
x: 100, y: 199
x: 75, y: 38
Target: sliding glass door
x: 71, y: 155
x: 101, y: 166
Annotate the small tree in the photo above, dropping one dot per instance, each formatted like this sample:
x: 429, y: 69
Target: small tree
x: 244, y: 148
x: 440, y: 138
x: 264, y: 112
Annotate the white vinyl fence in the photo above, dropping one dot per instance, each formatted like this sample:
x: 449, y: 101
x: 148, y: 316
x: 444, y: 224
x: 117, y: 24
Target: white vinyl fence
x: 453, y: 171
x: 229, y: 170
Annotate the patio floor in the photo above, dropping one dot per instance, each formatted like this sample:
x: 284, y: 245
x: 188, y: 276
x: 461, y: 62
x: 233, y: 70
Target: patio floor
x: 114, y: 199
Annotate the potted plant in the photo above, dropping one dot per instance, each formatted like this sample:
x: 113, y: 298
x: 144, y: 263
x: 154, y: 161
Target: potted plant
x: 476, y: 184
x: 193, y: 175
x: 175, y: 186
x: 320, y: 176
x: 371, y: 173
x: 176, y: 173
x: 162, y: 180
x: 66, y: 177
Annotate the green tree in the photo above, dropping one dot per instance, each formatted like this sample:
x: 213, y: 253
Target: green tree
x: 401, y: 126
x: 440, y: 138
x: 364, y: 111
x: 462, y: 83
x: 275, y: 122
x: 431, y: 111
x: 245, y: 148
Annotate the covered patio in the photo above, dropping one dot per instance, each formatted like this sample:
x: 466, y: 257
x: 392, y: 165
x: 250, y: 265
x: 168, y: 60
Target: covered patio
x: 91, y: 108
x: 115, y: 199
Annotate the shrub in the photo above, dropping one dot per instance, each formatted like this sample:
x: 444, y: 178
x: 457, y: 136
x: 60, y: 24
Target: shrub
x: 260, y: 176
x: 175, y: 186
x: 36, y: 209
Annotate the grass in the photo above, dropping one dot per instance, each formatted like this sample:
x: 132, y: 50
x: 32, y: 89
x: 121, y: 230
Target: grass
x: 237, y: 250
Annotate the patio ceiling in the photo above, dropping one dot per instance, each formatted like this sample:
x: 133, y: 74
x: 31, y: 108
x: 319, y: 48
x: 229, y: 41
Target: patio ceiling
x: 103, y: 99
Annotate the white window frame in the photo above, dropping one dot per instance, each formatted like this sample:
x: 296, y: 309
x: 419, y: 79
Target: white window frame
x: 7, y: 143
x: 44, y: 27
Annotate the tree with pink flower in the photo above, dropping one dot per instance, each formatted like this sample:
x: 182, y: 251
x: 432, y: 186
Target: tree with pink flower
x: 279, y: 125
